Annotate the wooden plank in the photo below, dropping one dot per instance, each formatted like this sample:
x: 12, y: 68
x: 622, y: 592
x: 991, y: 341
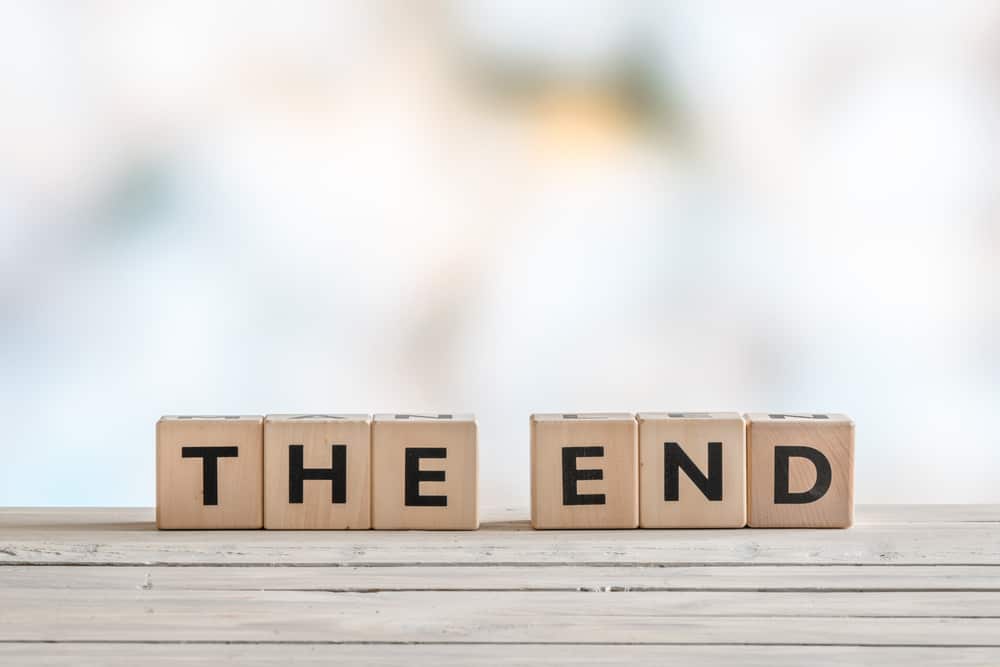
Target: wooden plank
x: 844, y: 578
x: 116, y: 537
x: 98, y: 544
x: 928, y: 619
x: 383, y: 655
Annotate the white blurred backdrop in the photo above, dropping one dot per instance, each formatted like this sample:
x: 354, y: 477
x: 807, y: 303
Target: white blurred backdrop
x: 499, y: 208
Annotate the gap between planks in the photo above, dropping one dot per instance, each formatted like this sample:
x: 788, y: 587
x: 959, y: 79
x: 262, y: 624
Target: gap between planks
x: 348, y: 642
x: 407, y: 655
x: 446, y: 564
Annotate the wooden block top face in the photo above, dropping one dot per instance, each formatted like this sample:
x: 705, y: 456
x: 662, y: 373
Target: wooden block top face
x: 676, y: 455
x: 317, y: 472
x: 308, y: 417
x: 582, y: 416
x: 584, y: 473
x: 209, y: 472
x: 425, y: 474
x: 688, y: 416
x: 816, y: 456
x: 424, y: 417
x: 797, y: 417
x: 212, y: 418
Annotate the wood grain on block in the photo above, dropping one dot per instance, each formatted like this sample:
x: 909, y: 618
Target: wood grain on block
x: 584, y: 471
x: 317, y: 472
x: 209, y: 472
x: 692, y: 470
x: 425, y: 472
x: 801, y: 470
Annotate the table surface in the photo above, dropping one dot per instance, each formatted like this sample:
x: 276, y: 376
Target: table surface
x: 907, y: 584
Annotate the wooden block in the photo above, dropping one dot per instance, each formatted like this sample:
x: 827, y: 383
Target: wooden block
x: 425, y: 472
x: 317, y: 472
x: 692, y: 470
x: 584, y: 471
x: 801, y: 470
x: 209, y: 472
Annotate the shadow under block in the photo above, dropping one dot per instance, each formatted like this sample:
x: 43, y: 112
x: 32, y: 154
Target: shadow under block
x: 317, y: 472
x: 425, y: 472
x: 584, y: 471
x: 801, y: 470
x: 692, y: 470
x: 209, y: 472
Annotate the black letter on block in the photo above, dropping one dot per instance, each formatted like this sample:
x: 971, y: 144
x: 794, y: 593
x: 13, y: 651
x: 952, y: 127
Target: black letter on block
x: 571, y: 476
x: 336, y: 473
x: 414, y: 475
x: 675, y: 458
x: 209, y: 468
x: 782, y: 496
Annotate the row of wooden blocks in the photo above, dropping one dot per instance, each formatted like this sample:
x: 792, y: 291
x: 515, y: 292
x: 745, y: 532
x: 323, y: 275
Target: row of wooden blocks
x: 597, y: 470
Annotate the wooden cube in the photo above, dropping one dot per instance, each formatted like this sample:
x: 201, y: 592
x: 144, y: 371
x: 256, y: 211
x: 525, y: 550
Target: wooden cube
x: 584, y: 471
x: 801, y: 470
x: 209, y: 472
x: 425, y: 472
x: 692, y: 470
x: 317, y: 472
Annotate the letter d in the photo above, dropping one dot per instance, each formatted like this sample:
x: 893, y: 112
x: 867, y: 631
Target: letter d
x: 782, y: 495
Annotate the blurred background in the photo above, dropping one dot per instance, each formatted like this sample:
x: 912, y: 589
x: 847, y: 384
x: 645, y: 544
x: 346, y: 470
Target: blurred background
x: 502, y: 208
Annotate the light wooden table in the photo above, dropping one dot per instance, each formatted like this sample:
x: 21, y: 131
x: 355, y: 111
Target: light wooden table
x: 916, y: 585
